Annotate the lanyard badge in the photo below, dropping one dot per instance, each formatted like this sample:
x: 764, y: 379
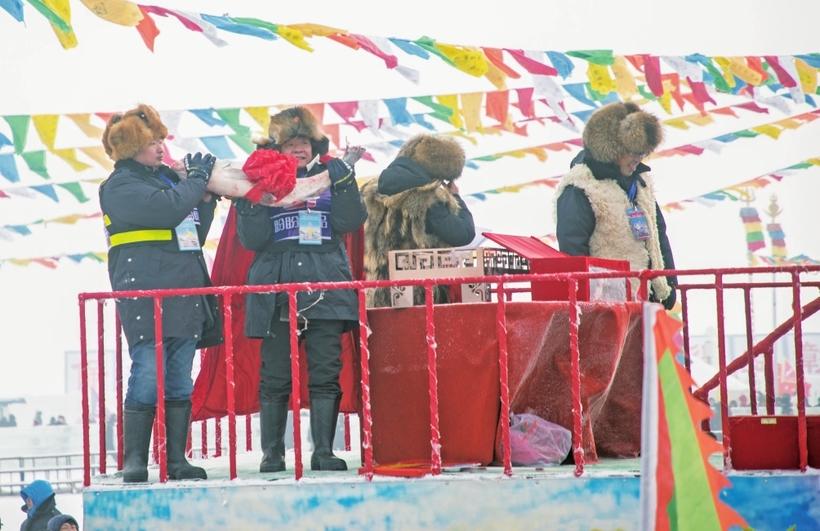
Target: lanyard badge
x: 310, y: 228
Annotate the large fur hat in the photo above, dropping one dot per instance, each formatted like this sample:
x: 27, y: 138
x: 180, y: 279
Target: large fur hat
x: 293, y: 122
x: 440, y: 157
x: 620, y: 128
x: 129, y: 133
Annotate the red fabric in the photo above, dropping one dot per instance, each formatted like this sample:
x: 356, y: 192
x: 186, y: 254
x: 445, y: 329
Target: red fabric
x: 468, y: 382
x: 210, y: 390
x: 271, y: 172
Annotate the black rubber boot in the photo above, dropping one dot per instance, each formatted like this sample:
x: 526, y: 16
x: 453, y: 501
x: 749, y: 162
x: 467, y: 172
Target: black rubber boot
x: 273, y: 422
x: 177, y: 425
x: 138, y: 422
x: 324, y: 413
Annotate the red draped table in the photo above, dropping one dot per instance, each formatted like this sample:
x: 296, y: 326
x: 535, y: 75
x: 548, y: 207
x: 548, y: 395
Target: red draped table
x: 466, y: 336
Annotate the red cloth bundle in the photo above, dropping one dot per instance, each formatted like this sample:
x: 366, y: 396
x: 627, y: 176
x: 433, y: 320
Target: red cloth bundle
x: 270, y: 172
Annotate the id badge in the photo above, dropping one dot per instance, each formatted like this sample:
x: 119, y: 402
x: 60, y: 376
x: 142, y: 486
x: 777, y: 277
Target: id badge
x: 310, y: 228
x: 637, y: 220
x: 187, y: 236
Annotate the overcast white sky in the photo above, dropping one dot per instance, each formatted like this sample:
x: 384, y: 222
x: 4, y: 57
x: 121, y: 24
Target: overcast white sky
x: 111, y: 70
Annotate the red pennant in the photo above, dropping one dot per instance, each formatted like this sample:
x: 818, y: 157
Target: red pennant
x: 498, y: 105
x: 652, y: 71
x: 531, y: 65
x: 785, y: 79
x: 525, y: 101
x: 147, y: 29
x: 391, y: 61
x: 496, y: 57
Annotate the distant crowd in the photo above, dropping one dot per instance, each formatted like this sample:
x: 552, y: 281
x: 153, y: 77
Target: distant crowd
x: 11, y: 420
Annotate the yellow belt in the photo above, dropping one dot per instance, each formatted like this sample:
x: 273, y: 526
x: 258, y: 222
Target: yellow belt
x: 135, y: 236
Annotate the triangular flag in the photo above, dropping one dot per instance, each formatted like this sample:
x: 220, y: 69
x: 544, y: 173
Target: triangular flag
x: 471, y: 107
x: 19, y: 131
x: 36, y: 161
x: 46, y: 127
x: 83, y: 121
x: 8, y: 168
x: 98, y: 155
x: 62, y: 9
x: 70, y: 156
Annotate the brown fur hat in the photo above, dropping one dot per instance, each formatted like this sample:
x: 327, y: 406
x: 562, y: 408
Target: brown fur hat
x: 129, y: 133
x: 293, y: 122
x: 620, y: 128
x: 440, y: 157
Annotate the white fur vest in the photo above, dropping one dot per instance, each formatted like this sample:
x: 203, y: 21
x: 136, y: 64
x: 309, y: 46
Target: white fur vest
x: 613, y: 236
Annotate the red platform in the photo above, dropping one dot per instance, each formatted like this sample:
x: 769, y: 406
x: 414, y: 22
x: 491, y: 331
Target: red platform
x: 468, y: 377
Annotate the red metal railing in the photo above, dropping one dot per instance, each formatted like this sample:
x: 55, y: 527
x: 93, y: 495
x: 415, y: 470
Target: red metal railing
x: 226, y: 293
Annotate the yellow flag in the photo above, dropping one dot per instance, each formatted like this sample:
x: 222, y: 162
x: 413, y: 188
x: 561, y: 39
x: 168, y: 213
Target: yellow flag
x: 625, y: 84
x: 466, y: 59
x: 46, y: 127
x: 738, y: 66
x: 666, y: 99
x: 808, y: 76
x: 295, y: 37
x: 70, y: 156
x: 788, y: 123
x: 768, y: 130
x: 120, y: 12
x: 599, y: 79
x: 678, y: 123
x: 83, y: 121
x: 471, y: 108
x: 451, y: 101
x: 496, y: 76
x: 261, y: 115
x: 724, y: 64
x: 699, y: 119
x: 539, y: 152
x: 317, y: 30
x: 814, y: 162
x: 98, y: 155
x: 68, y: 39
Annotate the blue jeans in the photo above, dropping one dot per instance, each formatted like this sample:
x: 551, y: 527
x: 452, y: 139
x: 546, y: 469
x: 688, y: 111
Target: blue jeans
x: 179, y: 359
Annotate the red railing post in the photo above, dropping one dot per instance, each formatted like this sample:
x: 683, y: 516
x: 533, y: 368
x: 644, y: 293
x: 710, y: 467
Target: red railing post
x: 802, y: 443
x: 435, y: 434
x: 295, y: 381
x: 161, y: 432
x: 503, y: 376
x: 101, y: 384
x: 575, y: 370
x: 84, y: 391
x: 120, y: 397
x: 367, y: 416
x: 747, y: 301
x: 227, y: 328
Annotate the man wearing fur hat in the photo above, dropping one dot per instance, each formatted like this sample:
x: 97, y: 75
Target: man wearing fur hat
x: 605, y: 205
x: 415, y: 204
x: 302, y: 243
x: 156, y: 224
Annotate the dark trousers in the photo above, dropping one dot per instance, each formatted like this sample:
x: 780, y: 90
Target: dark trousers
x: 323, y: 344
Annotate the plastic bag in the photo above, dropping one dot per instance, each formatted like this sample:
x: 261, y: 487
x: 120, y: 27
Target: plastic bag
x: 535, y: 441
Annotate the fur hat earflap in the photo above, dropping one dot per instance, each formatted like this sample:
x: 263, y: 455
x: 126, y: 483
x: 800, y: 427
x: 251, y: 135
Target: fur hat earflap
x: 293, y: 122
x: 441, y: 157
x: 619, y: 128
x: 129, y: 133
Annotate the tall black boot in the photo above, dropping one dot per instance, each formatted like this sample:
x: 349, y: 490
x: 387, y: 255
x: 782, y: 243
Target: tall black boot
x: 138, y: 422
x: 273, y: 422
x: 177, y: 425
x: 324, y: 413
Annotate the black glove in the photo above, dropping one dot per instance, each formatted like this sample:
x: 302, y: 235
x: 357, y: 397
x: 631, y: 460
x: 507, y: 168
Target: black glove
x: 243, y: 206
x: 341, y: 174
x: 669, y: 302
x: 199, y: 166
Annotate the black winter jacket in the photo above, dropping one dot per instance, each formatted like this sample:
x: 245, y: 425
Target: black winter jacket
x: 288, y: 261
x: 137, y: 198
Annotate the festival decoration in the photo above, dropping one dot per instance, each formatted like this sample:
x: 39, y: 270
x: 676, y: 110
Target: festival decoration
x: 680, y: 489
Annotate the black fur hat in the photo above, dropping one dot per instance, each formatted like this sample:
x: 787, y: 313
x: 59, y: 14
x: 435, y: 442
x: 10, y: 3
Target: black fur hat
x: 129, y: 133
x: 441, y: 157
x: 293, y: 122
x: 620, y: 128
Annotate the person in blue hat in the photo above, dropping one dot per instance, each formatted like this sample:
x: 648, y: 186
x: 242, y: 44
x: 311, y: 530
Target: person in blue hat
x: 40, y: 505
x: 63, y: 522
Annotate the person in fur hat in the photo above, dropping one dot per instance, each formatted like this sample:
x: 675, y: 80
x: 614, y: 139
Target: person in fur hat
x: 605, y: 205
x: 415, y: 204
x: 302, y: 243
x: 156, y: 224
